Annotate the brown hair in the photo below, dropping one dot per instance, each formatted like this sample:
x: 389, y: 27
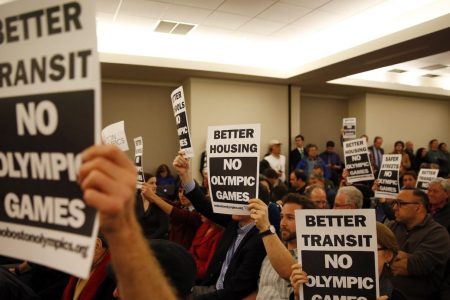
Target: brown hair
x: 387, y: 239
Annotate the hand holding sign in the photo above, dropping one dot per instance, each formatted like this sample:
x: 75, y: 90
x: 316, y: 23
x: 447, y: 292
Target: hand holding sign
x: 259, y: 213
x: 298, y: 277
x: 181, y: 166
x: 108, y: 179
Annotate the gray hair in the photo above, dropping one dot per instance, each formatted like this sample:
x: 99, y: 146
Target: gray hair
x: 445, y: 185
x: 352, y: 195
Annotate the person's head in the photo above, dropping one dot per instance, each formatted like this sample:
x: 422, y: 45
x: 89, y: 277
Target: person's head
x: 421, y: 153
x: 205, y: 182
x: 312, y: 151
x: 182, y: 198
x: 101, y: 246
x: 316, y: 179
x: 399, y: 146
x: 176, y: 263
x: 271, y: 175
x: 348, y: 197
x: 330, y: 146
x: 278, y: 192
x: 410, y: 207
x: 317, y: 195
x: 409, y: 179
x: 275, y: 147
x: 409, y: 145
x: 152, y: 182
x: 299, y: 139
x: 387, y: 246
x: 443, y: 147
x: 242, y: 219
x: 163, y: 171
x: 291, y: 202
x: 317, y: 169
x: 377, y: 142
x: 297, y: 178
x: 438, y: 192
x: 433, y: 144
x: 366, y: 137
x: 265, y: 182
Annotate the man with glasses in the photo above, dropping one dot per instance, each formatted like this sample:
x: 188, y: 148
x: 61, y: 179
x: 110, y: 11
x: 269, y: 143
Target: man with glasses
x: 348, y: 197
x: 424, y: 247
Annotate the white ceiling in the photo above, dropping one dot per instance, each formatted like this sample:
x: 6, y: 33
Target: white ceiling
x: 273, y: 38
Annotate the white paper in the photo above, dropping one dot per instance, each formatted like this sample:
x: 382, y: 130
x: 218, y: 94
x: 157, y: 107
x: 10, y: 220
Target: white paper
x: 341, y: 244
x: 114, y: 134
x: 50, y: 107
x: 349, y: 126
x: 181, y: 119
x: 357, y: 160
x: 138, y: 161
x: 388, y: 176
x: 424, y: 178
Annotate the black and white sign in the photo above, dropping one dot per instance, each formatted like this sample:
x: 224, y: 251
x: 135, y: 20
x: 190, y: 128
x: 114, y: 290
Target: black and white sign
x: 424, y: 178
x: 179, y: 110
x: 114, y: 134
x: 138, y: 161
x: 50, y: 112
x: 233, y: 166
x: 388, y: 177
x: 349, y: 126
x: 357, y: 161
x: 338, y: 251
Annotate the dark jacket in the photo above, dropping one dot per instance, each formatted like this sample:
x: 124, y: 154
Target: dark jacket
x: 241, y: 278
x: 154, y: 222
x: 294, y: 158
x: 442, y: 216
x: 429, y: 247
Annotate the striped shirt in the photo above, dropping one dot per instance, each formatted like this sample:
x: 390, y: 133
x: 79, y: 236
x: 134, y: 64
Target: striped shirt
x: 271, y: 285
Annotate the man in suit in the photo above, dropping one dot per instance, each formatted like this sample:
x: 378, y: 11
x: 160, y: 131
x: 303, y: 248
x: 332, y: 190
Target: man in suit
x: 297, y: 154
x: 376, y: 153
x: 234, y: 269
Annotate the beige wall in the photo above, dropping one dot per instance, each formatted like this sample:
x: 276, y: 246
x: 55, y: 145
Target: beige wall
x: 357, y: 109
x: 147, y: 112
x: 406, y: 118
x: 321, y: 120
x: 224, y: 102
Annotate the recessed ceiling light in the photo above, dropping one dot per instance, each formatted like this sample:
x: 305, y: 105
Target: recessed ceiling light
x: 397, y: 71
x: 430, y: 75
x: 435, y: 67
x: 174, y: 27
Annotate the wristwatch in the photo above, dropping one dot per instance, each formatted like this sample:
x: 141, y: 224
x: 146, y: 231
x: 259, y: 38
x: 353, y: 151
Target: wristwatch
x: 269, y: 231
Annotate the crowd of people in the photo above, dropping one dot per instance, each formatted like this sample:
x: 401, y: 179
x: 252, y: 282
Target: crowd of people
x: 164, y: 241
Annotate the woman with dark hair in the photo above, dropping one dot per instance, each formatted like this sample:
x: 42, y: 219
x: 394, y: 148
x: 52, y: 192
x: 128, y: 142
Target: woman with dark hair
x: 154, y: 222
x: 399, y: 148
x: 163, y: 176
x: 421, y: 158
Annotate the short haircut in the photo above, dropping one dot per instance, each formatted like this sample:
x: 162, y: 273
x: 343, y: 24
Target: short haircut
x: 270, y: 173
x: 299, y: 200
x: 330, y: 144
x: 399, y: 142
x: 445, y: 185
x: 352, y: 195
x: 313, y: 187
x: 410, y: 173
x: 376, y: 138
x: 299, y: 174
x: 278, y: 192
x: 423, y: 198
x: 299, y: 136
x: 432, y: 141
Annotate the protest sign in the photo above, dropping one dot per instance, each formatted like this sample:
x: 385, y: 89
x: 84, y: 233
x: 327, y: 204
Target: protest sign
x: 179, y: 110
x: 349, y: 125
x: 388, y: 177
x: 138, y: 156
x: 50, y: 112
x: 424, y: 178
x: 114, y: 134
x: 233, y: 166
x: 338, y: 251
x: 357, y: 161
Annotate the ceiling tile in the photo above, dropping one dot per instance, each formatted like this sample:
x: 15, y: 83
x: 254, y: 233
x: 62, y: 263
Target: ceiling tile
x: 261, y: 27
x: 225, y: 20
x: 348, y: 7
x: 185, y: 14
x: 312, y: 4
x: 106, y: 6
x: 208, y: 4
x: 137, y: 22
x: 283, y: 13
x: 249, y: 8
x: 143, y: 8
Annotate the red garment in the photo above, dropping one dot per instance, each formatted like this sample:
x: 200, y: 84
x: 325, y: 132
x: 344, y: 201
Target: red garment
x: 95, y: 280
x: 183, y: 225
x: 203, y: 247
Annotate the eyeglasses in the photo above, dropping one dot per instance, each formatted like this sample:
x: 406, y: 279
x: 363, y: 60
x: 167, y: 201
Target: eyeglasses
x: 402, y: 203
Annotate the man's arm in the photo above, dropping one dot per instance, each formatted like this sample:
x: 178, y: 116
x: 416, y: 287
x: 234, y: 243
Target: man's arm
x: 279, y: 256
x: 108, y: 178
